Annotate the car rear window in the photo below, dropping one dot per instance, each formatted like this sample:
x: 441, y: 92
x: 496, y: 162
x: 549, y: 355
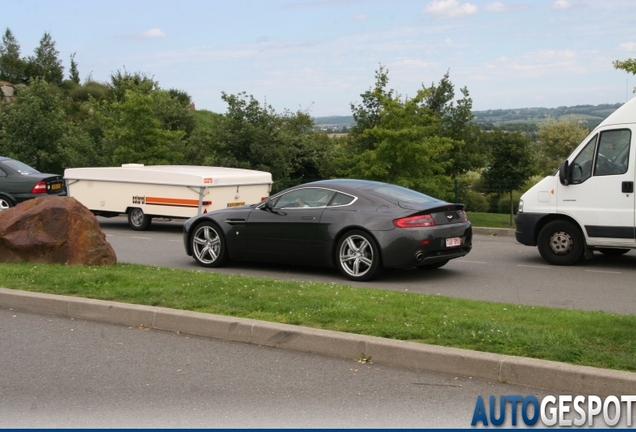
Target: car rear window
x: 20, y: 167
x: 397, y: 193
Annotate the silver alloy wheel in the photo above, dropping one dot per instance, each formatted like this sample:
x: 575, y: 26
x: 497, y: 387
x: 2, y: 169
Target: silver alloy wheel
x: 138, y: 220
x: 137, y: 217
x: 4, y: 204
x: 206, y: 245
x: 356, y: 256
x: 561, y: 242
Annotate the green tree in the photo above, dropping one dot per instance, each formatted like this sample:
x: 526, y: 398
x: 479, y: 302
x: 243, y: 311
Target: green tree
x: 509, y: 163
x: 73, y: 71
x: 456, y: 122
x: 33, y: 127
x: 401, y: 140
x: 11, y: 65
x: 45, y: 63
x: 628, y: 66
x: 256, y: 137
x: 134, y: 133
x: 556, y: 141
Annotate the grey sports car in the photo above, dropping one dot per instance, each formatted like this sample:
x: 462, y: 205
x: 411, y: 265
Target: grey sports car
x: 357, y: 226
x: 20, y: 182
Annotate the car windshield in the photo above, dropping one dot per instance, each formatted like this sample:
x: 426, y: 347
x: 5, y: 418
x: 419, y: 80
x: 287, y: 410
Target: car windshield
x: 20, y: 167
x: 398, y: 193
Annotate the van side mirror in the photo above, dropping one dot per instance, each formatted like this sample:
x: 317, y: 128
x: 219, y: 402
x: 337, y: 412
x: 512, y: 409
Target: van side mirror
x: 564, y: 173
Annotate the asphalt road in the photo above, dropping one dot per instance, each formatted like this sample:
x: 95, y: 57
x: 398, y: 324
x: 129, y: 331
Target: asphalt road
x: 68, y: 373
x: 497, y: 269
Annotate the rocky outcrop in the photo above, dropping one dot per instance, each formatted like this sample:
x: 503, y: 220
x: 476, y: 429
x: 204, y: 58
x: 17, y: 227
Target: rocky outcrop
x: 53, y: 230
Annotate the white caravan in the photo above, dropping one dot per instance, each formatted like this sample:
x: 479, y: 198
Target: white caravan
x: 164, y: 191
x: 588, y: 204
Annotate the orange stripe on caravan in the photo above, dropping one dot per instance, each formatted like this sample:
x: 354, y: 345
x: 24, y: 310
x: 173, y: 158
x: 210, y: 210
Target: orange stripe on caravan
x: 183, y: 202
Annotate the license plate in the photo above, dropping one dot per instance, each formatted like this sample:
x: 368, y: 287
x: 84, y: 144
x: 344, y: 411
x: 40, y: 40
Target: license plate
x: 453, y: 241
x: 56, y: 186
x: 235, y: 204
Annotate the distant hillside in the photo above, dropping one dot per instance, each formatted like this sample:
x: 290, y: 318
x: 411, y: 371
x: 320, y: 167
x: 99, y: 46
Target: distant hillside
x: 588, y: 115
x: 523, y: 118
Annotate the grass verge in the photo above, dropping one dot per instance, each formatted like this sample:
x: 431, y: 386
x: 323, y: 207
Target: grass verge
x: 490, y: 220
x: 578, y: 337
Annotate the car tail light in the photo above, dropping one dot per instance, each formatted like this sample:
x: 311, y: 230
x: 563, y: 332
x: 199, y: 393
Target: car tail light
x: 40, y: 187
x: 463, y: 216
x: 425, y: 220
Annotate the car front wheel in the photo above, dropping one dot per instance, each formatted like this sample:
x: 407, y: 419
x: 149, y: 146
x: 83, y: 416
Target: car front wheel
x: 561, y: 243
x: 357, y: 256
x: 208, y: 245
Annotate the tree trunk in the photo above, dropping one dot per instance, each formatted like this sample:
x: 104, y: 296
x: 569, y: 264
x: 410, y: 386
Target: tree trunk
x: 512, y: 208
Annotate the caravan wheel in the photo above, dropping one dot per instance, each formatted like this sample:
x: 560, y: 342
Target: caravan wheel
x: 138, y: 220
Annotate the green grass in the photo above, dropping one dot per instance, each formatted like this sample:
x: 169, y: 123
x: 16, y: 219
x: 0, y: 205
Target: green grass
x: 579, y: 337
x: 490, y: 220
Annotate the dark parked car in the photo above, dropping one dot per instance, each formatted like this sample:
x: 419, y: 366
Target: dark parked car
x: 358, y: 226
x: 19, y: 182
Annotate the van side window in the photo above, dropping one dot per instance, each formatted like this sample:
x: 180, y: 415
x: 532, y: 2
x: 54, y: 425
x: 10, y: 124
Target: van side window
x: 582, y: 165
x: 613, y: 152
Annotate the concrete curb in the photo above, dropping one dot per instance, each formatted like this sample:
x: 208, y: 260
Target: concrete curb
x: 549, y: 375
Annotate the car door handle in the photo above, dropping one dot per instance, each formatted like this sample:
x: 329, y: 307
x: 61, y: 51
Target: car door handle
x: 308, y: 218
x: 627, y: 187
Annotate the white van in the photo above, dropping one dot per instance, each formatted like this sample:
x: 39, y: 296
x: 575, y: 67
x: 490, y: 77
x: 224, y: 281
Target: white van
x: 588, y: 204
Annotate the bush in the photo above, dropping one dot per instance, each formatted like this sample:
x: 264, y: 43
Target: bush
x: 474, y: 201
x: 504, y: 202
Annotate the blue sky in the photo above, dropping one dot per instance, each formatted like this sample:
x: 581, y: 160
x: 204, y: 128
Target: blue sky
x: 319, y: 55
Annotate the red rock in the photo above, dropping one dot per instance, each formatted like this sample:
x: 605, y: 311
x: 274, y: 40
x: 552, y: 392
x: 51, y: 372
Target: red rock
x: 56, y: 230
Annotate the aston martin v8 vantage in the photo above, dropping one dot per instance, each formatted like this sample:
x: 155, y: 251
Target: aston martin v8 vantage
x: 357, y: 226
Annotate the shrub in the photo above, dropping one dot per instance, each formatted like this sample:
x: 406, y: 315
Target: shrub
x: 474, y: 201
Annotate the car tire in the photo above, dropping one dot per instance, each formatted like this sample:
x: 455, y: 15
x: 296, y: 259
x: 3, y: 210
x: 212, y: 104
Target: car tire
x: 613, y: 252
x: 5, y: 203
x: 208, y: 245
x: 561, y: 243
x: 358, y: 256
x: 138, y: 220
x: 433, y: 265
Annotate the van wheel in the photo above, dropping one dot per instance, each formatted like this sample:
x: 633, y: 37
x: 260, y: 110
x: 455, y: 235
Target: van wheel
x: 613, y: 252
x: 561, y: 243
x: 138, y: 220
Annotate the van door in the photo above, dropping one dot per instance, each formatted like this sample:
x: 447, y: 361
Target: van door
x: 601, y: 193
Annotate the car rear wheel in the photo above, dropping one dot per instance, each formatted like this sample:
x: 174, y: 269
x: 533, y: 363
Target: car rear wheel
x: 357, y: 256
x: 138, y: 220
x: 5, y: 203
x: 208, y: 245
x: 561, y: 243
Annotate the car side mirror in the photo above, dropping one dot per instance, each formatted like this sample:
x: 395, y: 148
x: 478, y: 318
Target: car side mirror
x: 564, y: 173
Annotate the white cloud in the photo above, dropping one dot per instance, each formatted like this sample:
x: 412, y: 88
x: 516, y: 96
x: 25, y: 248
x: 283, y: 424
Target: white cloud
x: 450, y: 8
x: 501, y: 7
x: 628, y: 46
x: 152, y: 34
x: 562, y: 4
x: 362, y: 17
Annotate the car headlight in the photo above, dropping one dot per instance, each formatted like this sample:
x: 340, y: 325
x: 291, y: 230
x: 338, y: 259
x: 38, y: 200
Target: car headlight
x: 520, y: 209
